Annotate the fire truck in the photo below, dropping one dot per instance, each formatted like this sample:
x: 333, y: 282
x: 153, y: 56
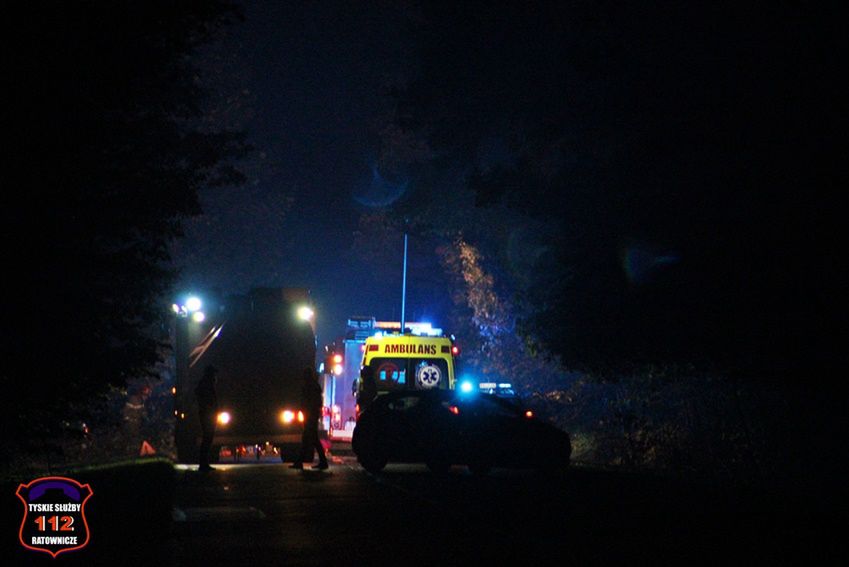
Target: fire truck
x: 260, y: 344
x: 420, y: 358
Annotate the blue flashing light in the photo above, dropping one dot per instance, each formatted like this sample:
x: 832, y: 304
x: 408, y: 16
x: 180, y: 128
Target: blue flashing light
x: 193, y: 304
x: 466, y: 387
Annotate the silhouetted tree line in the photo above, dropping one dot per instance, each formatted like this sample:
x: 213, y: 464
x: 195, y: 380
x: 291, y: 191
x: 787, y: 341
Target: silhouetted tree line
x: 108, y: 155
x: 682, y: 159
x: 652, y: 186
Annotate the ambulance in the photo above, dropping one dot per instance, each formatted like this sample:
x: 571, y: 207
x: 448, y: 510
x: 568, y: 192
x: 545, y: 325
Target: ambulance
x: 409, y: 361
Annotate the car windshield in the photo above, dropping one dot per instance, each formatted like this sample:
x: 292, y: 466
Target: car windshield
x: 403, y: 403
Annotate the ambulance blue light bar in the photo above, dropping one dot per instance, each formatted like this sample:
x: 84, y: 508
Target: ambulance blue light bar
x: 420, y: 329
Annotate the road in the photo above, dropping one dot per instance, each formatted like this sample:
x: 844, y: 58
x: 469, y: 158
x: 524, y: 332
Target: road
x: 267, y: 513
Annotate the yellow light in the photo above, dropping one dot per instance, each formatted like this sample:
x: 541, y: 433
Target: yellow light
x: 337, y: 370
x: 337, y: 358
x: 529, y: 413
x: 223, y: 418
x: 305, y: 313
x: 287, y: 416
x: 174, y: 390
x: 198, y: 317
x: 300, y: 417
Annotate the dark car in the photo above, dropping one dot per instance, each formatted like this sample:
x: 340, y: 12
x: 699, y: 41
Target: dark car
x: 442, y: 428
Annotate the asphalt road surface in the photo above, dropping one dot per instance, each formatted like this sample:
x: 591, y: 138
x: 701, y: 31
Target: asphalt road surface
x: 268, y: 514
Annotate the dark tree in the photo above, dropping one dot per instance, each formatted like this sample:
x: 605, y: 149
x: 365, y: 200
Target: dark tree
x: 685, y: 158
x: 108, y: 156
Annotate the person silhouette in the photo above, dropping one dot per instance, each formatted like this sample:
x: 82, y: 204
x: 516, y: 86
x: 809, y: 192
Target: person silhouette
x: 368, y: 389
x: 311, y: 402
x: 207, y: 400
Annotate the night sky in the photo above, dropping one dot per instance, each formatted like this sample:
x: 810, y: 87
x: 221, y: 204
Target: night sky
x: 309, y: 83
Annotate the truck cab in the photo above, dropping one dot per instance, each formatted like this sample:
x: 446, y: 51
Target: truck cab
x: 261, y: 349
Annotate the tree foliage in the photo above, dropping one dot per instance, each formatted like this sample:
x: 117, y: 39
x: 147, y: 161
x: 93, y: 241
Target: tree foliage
x: 644, y: 193
x: 673, y: 161
x: 111, y: 149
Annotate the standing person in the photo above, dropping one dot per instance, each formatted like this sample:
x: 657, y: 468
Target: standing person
x: 311, y: 400
x: 207, y: 407
x: 368, y: 391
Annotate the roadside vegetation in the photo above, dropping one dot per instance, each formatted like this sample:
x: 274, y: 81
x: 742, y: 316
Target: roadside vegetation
x: 118, y: 136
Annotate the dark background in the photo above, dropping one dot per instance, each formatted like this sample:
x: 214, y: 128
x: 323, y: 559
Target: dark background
x: 641, y: 187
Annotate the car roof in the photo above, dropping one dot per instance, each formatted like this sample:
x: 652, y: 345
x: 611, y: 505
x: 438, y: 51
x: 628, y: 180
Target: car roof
x: 446, y: 395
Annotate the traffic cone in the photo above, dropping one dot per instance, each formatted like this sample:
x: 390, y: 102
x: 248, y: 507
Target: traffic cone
x: 146, y: 449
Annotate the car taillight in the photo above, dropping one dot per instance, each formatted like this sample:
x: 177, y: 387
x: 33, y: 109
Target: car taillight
x: 454, y: 409
x: 529, y: 414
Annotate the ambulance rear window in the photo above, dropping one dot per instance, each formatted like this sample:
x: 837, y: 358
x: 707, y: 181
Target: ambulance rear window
x: 410, y: 373
x: 389, y: 373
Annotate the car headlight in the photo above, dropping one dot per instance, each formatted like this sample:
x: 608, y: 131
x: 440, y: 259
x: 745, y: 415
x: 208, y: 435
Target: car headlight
x: 223, y: 418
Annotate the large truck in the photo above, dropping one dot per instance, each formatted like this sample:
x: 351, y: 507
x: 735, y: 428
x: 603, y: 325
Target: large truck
x: 260, y: 347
